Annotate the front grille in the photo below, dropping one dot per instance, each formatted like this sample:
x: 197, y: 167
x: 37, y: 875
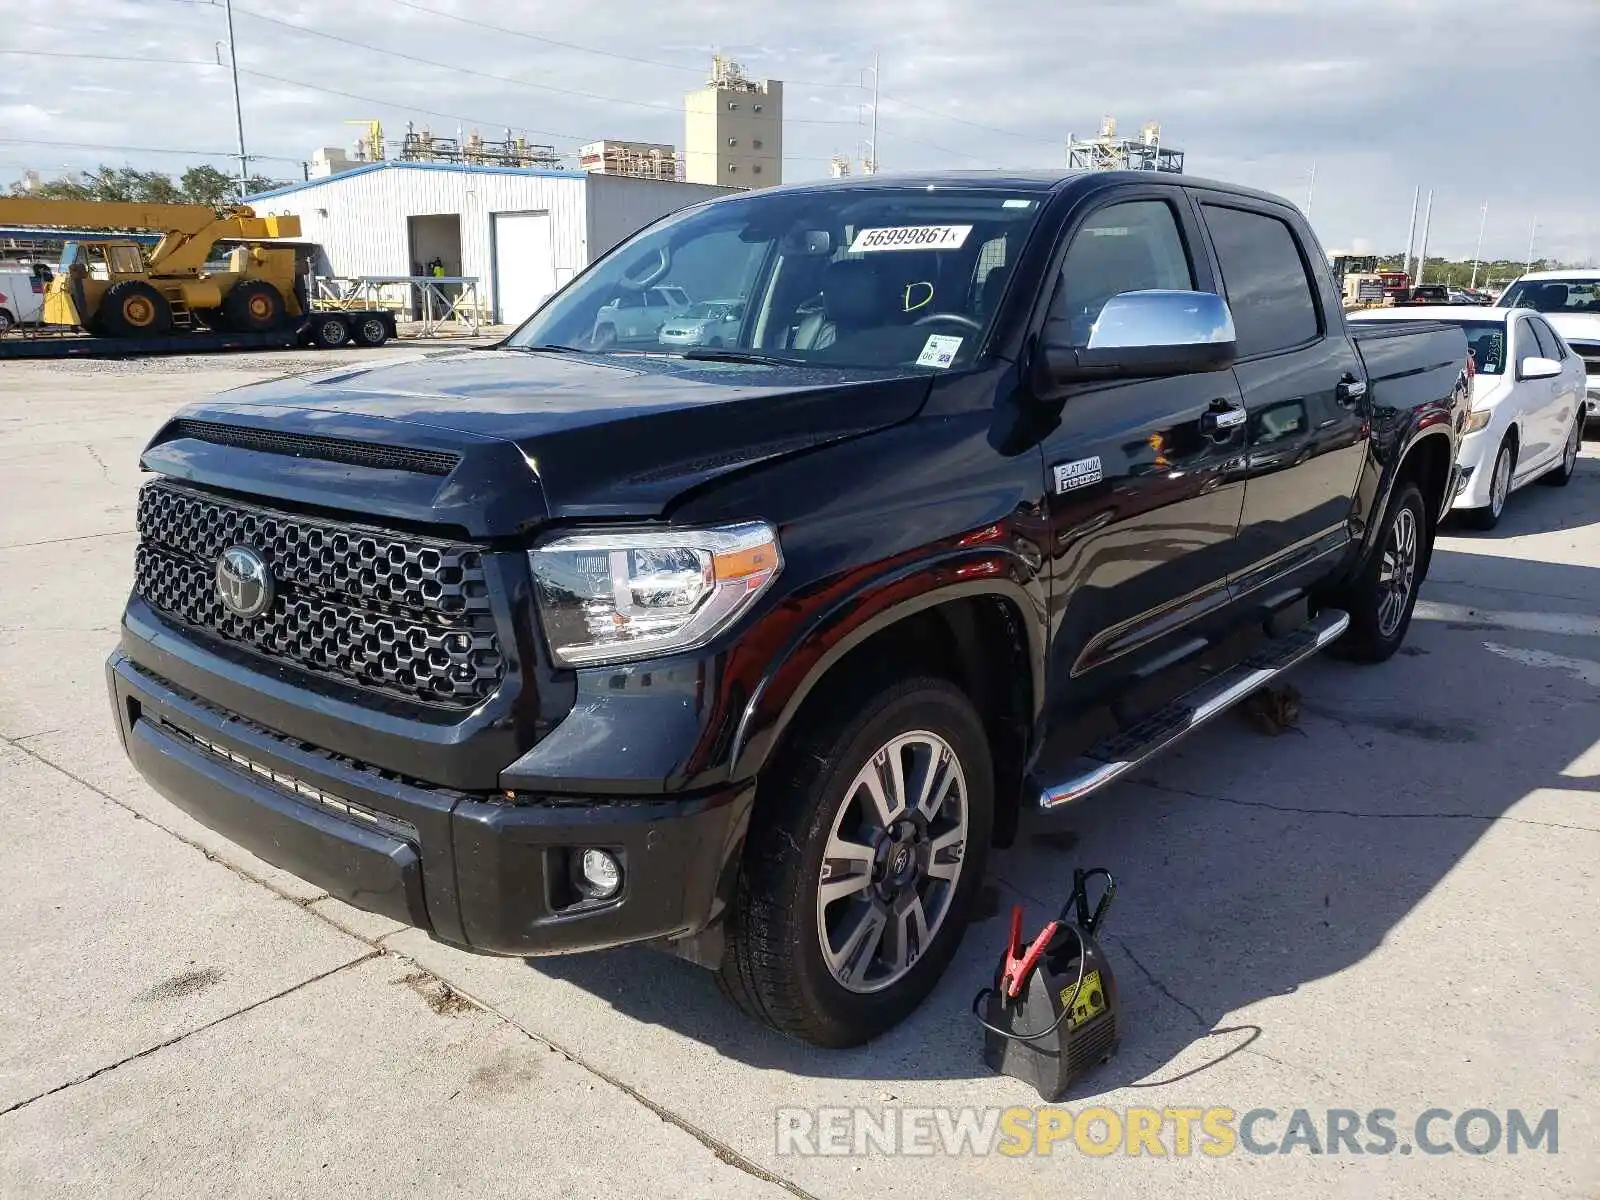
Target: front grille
x: 1590, y: 353
x: 392, y: 613
x: 300, y: 445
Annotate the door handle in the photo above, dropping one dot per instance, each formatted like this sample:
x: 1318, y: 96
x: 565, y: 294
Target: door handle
x: 1350, y: 389
x: 1222, y: 418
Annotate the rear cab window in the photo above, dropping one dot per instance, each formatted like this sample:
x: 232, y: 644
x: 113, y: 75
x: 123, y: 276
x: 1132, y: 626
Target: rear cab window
x: 1268, y: 284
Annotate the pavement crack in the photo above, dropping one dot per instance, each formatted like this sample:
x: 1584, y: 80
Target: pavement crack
x: 720, y: 1150
x: 1158, y: 985
x: 82, y: 537
x: 100, y: 462
x: 1358, y: 815
x: 189, y: 1033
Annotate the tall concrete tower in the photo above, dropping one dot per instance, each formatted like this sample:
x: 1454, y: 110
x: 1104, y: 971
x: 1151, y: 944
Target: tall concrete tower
x: 733, y: 129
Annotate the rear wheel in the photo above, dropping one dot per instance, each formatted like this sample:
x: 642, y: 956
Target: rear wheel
x: 6, y: 321
x: 330, y: 332
x: 1381, y: 598
x: 372, y: 332
x: 253, y: 306
x: 133, y: 308
x: 1505, y: 465
x: 862, y: 862
x: 1562, y: 474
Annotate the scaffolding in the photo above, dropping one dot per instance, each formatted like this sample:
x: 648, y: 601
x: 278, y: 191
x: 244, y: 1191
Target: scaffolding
x: 639, y: 160
x: 474, y: 148
x: 1108, y: 152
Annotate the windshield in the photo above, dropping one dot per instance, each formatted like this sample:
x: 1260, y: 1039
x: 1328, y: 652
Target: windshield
x: 840, y: 276
x: 1554, y: 295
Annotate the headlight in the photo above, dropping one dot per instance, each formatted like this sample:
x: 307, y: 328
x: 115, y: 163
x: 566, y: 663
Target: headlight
x: 607, y: 597
x: 1477, y: 419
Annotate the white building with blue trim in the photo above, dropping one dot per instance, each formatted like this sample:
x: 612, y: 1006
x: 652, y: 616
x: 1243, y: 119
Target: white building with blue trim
x: 522, y: 232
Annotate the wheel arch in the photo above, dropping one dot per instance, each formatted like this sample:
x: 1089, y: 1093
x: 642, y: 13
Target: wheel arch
x: 987, y: 636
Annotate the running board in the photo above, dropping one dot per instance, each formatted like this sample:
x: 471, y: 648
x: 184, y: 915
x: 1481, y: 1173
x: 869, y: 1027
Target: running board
x: 1114, y: 756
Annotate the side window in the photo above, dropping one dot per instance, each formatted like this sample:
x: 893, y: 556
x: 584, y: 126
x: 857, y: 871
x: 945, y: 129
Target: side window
x: 1268, y: 288
x: 1536, y: 342
x: 1549, y: 343
x: 655, y: 299
x: 1128, y: 247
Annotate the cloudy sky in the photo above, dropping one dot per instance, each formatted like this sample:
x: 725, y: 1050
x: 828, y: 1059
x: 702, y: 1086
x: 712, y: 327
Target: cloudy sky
x: 1480, y: 100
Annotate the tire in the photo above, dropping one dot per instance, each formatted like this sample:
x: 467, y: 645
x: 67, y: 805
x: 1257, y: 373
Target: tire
x: 133, y: 308
x: 814, y: 795
x: 1505, y: 465
x: 372, y: 332
x: 1380, y: 612
x: 605, y: 338
x: 715, y: 343
x: 253, y: 306
x: 6, y: 321
x: 329, y: 333
x: 1561, y: 475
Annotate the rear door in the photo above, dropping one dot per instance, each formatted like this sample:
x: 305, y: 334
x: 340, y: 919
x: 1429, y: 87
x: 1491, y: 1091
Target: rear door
x: 1143, y: 506
x: 1303, y: 385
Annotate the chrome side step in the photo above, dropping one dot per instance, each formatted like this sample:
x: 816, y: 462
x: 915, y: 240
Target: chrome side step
x: 1114, y: 756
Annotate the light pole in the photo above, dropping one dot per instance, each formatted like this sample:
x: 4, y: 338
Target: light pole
x: 1477, y: 254
x: 1533, y: 232
x: 1411, y: 231
x: 1422, y: 251
x: 1311, y: 189
x: 238, y: 108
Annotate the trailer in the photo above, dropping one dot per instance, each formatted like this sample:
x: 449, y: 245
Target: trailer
x: 322, y: 329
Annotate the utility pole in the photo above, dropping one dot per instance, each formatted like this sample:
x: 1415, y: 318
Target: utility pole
x: 1422, y: 252
x: 1311, y: 189
x: 872, y: 145
x: 1533, y: 232
x: 1411, y: 230
x: 238, y: 108
x: 1477, y: 254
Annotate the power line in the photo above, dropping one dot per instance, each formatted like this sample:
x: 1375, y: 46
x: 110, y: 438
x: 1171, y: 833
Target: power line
x: 1031, y: 137
x: 428, y: 62
x: 138, y: 149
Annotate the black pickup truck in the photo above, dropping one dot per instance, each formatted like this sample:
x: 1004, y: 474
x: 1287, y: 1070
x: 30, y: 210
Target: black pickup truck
x: 753, y: 649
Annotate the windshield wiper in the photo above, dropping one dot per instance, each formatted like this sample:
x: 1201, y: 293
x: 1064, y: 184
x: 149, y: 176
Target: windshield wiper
x: 716, y: 354
x: 547, y: 348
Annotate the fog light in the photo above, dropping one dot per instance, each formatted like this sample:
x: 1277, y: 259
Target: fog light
x: 601, y: 874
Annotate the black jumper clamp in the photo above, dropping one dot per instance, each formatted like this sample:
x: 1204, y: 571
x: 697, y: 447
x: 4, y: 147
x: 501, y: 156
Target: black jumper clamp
x: 1052, y: 1013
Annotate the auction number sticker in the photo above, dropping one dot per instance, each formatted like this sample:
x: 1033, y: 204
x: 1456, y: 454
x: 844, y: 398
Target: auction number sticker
x: 911, y: 237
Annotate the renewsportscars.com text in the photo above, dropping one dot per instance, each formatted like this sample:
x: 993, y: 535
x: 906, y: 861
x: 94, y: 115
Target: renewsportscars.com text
x: 1100, y: 1131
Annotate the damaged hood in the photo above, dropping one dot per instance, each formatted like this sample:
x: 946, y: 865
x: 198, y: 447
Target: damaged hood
x: 495, y: 441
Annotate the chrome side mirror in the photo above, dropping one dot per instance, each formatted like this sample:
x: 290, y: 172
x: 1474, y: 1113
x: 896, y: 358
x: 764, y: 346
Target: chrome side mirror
x: 1145, y: 334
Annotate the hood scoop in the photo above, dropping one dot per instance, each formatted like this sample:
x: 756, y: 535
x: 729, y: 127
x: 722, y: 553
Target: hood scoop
x: 325, y: 449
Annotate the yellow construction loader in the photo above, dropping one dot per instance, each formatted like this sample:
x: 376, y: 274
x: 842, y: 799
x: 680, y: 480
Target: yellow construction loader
x: 114, y: 287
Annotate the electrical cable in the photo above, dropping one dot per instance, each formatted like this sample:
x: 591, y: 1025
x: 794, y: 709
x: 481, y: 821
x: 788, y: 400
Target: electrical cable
x: 543, y: 87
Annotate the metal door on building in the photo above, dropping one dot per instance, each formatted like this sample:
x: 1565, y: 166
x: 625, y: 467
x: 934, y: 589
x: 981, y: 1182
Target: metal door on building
x: 524, y: 265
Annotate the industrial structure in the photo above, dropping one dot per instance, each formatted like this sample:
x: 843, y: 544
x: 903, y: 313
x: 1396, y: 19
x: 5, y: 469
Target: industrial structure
x: 425, y: 146
x: 733, y: 129
x: 519, y: 232
x: 638, y: 160
x: 1109, y: 152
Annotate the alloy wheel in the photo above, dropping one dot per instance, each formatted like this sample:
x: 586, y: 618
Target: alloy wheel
x: 1397, y: 572
x: 1500, y: 485
x: 1569, y: 457
x: 893, y: 861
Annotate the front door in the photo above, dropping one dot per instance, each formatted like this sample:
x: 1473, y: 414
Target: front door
x: 1144, y: 495
x: 1304, y: 387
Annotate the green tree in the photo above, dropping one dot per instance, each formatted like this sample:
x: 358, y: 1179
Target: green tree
x: 198, y: 185
x: 206, y: 185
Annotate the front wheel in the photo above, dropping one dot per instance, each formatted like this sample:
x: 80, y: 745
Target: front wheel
x: 1505, y: 463
x: 1562, y: 474
x: 862, y: 862
x: 1381, y: 598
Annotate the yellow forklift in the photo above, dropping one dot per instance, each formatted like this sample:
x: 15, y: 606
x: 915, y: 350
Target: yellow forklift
x: 113, y: 287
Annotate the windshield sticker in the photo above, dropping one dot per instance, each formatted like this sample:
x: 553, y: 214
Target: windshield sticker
x: 940, y: 351
x: 911, y: 237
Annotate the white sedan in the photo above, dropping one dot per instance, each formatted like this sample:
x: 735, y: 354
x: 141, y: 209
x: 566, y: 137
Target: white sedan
x: 1570, y: 301
x: 1527, y: 403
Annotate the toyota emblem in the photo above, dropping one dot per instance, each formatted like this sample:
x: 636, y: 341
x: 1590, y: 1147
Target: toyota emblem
x: 244, y: 584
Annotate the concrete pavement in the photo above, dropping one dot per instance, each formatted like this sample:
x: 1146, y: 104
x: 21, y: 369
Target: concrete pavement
x: 1389, y: 907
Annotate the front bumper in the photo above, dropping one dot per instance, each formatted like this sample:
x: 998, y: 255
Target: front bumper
x: 467, y: 868
x: 1591, y: 403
